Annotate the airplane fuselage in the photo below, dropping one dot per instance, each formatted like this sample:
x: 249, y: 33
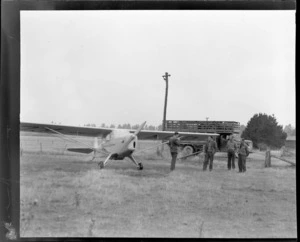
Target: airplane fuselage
x: 121, y: 147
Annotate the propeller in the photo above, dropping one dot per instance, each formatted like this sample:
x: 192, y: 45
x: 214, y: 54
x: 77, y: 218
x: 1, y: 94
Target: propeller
x: 140, y: 128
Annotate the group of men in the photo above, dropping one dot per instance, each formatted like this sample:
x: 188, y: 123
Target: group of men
x: 242, y: 151
x: 211, y: 148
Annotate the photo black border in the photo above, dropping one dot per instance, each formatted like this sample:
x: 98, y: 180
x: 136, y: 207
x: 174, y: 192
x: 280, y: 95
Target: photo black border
x: 10, y: 85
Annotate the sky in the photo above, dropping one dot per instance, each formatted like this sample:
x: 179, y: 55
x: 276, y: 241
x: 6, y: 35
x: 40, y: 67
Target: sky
x: 80, y: 67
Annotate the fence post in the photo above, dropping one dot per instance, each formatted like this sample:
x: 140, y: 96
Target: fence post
x: 268, y: 158
x: 282, y: 151
x: 159, y: 149
x: 41, y: 148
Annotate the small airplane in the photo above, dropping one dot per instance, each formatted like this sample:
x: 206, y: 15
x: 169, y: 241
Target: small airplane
x: 117, y: 144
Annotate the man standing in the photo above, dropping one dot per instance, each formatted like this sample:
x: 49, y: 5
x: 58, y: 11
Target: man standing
x: 243, y: 153
x: 174, y: 143
x: 209, y: 150
x: 231, y: 149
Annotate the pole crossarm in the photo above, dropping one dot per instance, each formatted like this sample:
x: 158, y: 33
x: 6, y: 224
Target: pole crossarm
x: 166, y: 76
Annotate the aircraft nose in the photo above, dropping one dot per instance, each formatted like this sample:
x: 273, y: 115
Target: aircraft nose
x: 133, y: 143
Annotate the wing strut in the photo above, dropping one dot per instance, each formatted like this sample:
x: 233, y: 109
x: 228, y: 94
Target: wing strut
x: 69, y: 138
x: 62, y: 136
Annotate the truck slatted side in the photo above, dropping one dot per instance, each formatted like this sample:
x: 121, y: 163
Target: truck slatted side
x: 203, y: 126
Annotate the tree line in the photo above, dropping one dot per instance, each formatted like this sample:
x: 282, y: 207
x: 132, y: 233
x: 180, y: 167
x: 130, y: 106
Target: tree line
x: 125, y: 126
x: 262, y: 129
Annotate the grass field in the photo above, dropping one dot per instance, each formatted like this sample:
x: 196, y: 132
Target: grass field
x: 63, y: 194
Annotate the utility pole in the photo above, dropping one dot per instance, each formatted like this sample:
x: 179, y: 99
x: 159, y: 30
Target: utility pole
x: 165, y: 111
x: 166, y: 100
x: 207, y: 123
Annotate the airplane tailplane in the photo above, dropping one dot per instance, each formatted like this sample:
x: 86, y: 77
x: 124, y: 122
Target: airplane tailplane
x: 81, y: 150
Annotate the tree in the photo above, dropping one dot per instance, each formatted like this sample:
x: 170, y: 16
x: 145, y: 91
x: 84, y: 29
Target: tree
x: 136, y: 126
x: 290, y: 130
x: 264, y: 129
x: 151, y: 127
x: 242, y: 128
x: 126, y: 126
x: 89, y: 125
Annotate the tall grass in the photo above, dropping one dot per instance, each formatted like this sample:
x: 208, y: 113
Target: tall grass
x: 64, y: 196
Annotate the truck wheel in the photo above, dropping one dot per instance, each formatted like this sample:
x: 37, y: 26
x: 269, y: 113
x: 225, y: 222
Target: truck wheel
x: 187, y: 150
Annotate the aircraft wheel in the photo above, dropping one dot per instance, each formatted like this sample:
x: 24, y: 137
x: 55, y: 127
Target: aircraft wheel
x: 140, y: 167
x: 101, y: 164
x: 187, y: 150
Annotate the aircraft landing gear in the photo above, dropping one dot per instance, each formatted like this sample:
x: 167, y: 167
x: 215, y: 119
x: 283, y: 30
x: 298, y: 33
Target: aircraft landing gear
x: 140, y: 166
x: 101, y: 165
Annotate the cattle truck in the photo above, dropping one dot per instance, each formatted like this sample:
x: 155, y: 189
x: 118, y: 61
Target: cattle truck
x: 223, y: 128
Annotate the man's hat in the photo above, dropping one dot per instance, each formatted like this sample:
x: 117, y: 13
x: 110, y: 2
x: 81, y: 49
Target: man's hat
x: 176, y: 133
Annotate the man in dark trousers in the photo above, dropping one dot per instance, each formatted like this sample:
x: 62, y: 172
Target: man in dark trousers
x: 231, y: 149
x: 174, y: 143
x: 209, y: 150
x: 243, y: 153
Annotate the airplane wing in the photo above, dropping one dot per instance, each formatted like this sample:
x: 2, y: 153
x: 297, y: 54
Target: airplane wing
x: 94, y: 132
x: 67, y: 130
x: 163, y: 135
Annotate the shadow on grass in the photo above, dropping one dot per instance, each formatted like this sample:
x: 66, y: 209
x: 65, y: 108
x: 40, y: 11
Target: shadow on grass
x: 144, y: 174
